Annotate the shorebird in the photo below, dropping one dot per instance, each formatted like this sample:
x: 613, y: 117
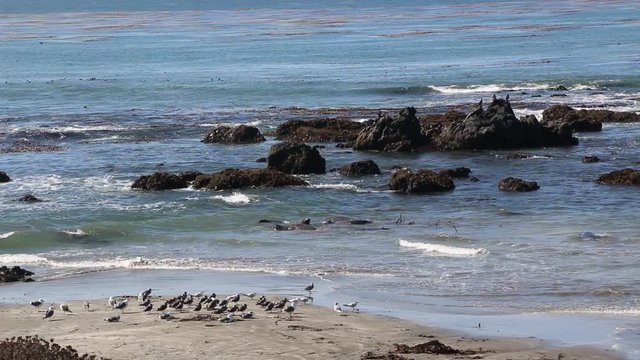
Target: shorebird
x: 49, y: 313
x: 145, y: 294
x: 290, y: 309
x: 352, y: 305
x: 309, y: 288
x: 198, y: 307
x: 65, y: 308
x: 163, y: 307
x: 122, y: 305
x: 87, y: 306
x: 145, y: 303
x: 149, y: 307
x: 112, y: 301
x: 227, y: 319
x: 336, y: 308
x: 242, y: 307
x: 198, y: 294
x: 37, y: 303
x: 166, y: 316
x: 247, y: 315
x: 113, y: 318
x: 250, y: 295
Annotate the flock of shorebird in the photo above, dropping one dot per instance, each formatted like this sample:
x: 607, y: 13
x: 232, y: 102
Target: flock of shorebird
x: 228, y: 308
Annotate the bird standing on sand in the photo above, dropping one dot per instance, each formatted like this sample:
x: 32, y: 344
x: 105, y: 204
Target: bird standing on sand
x: 309, y: 288
x: 122, y: 305
x: 87, y: 306
x: 113, y: 318
x: 352, y: 305
x: 49, y: 313
x: 65, y: 308
x: 250, y: 295
x: 37, y: 303
x: 163, y: 307
x: 290, y: 309
x: 148, y: 307
x: 166, y: 316
x: 112, y: 301
x: 336, y: 308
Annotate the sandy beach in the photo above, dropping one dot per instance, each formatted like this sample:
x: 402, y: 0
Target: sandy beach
x: 313, y: 333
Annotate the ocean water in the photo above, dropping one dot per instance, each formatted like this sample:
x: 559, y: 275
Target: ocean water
x: 129, y: 88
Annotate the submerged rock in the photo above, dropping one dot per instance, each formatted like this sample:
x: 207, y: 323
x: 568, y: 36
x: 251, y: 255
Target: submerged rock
x: 590, y: 159
x: 620, y: 177
x: 4, y: 177
x: 14, y: 274
x: 401, y: 133
x: 420, y: 182
x: 457, y: 173
x: 28, y: 198
x: 319, y: 130
x: 360, y: 168
x: 241, y: 134
x: 517, y: 185
x: 160, y: 181
x: 293, y: 158
x: 242, y: 178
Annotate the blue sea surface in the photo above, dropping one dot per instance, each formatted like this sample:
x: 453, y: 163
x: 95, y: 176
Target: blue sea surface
x: 127, y: 88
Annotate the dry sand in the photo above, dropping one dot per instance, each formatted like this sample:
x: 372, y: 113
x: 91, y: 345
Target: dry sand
x: 314, y: 333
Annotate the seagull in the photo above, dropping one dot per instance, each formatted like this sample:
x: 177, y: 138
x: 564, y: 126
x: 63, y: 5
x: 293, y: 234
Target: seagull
x: 247, y: 315
x: 166, y: 316
x: 146, y: 293
x: 227, y: 319
x: 145, y: 303
x: 65, y: 308
x: 290, y: 309
x: 87, y: 306
x: 112, y: 301
x: 198, y: 307
x: 37, y: 303
x: 250, y: 295
x: 49, y: 313
x: 352, y: 305
x: 163, y: 307
x: 233, y: 298
x: 309, y: 288
x: 302, y: 299
x: 336, y: 308
x: 149, y: 307
x: 112, y: 318
x: 197, y: 295
x: 122, y: 305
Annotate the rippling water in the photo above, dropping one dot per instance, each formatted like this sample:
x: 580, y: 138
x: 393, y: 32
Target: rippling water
x: 128, y: 89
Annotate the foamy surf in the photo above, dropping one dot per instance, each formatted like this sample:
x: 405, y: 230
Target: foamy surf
x: 236, y: 198
x: 491, y: 88
x: 442, y: 250
x: 77, y: 232
x: 6, y: 235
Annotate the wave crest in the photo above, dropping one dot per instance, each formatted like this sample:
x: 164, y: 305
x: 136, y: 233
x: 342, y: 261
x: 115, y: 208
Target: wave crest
x: 442, y: 250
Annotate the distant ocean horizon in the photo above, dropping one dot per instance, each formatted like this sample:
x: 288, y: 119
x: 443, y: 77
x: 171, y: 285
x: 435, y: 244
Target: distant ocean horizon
x: 129, y: 88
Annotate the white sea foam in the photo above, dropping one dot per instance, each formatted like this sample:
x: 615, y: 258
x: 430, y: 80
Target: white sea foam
x: 442, y: 250
x: 20, y: 259
x: 234, y: 198
x: 6, y: 235
x: 340, y: 186
x: 492, y: 88
x: 77, y: 232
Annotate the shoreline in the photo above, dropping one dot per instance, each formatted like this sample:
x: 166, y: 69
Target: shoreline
x: 314, y: 332
x: 538, y: 332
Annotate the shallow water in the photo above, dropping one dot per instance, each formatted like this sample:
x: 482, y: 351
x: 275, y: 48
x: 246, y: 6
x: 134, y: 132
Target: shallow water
x: 128, y: 89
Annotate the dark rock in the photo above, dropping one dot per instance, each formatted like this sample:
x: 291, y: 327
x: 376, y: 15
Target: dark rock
x: 28, y: 198
x: 241, y: 134
x: 4, y: 177
x: 242, y: 178
x: 457, y: 173
x: 189, y: 176
x: 293, y: 158
x: 402, y: 133
x: 578, y: 121
x: 590, y: 159
x: 517, y: 185
x: 359, y: 168
x: 431, y: 347
x: 319, y: 130
x: 160, y: 181
x: 560, y: 88
x: 474, y: 179
x: 496, y: 128
x: 347, y: 145
x: 23, y: 146
x: 421, y: 182
x: 13, y: 274
x: 261, y: 160
x: 620, y: 177
x: 558, y: 95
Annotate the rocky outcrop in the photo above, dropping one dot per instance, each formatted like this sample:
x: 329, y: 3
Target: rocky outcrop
x: 241, y: 134
x: 160, y: 181
x: 576, y: 120
x: 4, y: 177
x: 517, y: 185
x: 14, y: 274
x: 319, y: 130
x: 243, y: 178
x: 496, y: 128
x: 293, y: 158
x: 189, y: 176
x: 620, y: 177
x: 28, y: 198
x: 457, y: 173
x: 420, y: 182
x: 590, y: 159
x: 360, y: 168
x: 402, y: 133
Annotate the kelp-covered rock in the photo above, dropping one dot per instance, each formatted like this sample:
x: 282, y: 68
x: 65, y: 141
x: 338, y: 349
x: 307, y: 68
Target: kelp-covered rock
x: 243, y: 178
x: 13, y: 274
x: 577, y: 120
x: 4, y: 177
x: 293, y: 158
x: 360, y: 168
x: 420, y: 182
x: 160, y: 181
x: 319, y: 130
x: 620, y: 177
x: 241, y: 134
x: 401, y: 133
x: 496, y: 128
x: 512, y: 184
